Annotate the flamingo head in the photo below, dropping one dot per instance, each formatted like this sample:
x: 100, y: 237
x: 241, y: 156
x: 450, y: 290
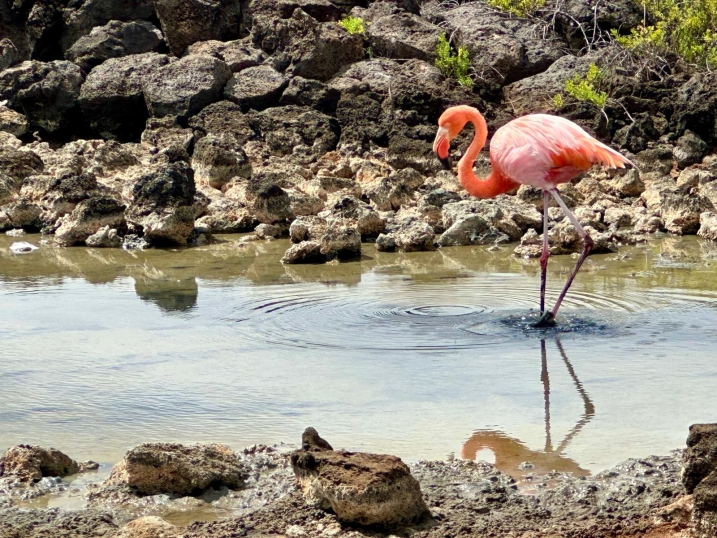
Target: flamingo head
x: 450, y: 124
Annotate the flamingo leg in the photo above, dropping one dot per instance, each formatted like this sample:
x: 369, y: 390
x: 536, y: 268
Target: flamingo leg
x: 546, y: 252
x: 588, y: 243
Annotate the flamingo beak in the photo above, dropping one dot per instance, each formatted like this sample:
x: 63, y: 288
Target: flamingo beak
x: 441, y: 147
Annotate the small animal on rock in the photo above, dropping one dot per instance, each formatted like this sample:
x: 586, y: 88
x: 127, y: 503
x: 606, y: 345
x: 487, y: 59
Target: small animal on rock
x: 539, y: 150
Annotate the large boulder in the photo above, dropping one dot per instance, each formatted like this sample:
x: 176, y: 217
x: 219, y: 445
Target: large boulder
x: 582, y: 24
x: 699, y: 476
x: 302, y: 132
x: 59, y: 196
x: 218, y: 159
x: 17, y: 165
x: 187, y: 21
x: 27, y: 463
x: 502, y: 48
x: 361, y: 489
x: 45, y: 92
x: 82, y: 17
x: 174, y: 469
x: 112, y: 99
x: 314, y: 93
x: 314, y: 49
x: 114, y: 40
x: 12, y: 122
x: 162, y: 205
x: 395, y: 33
x: 223, y: 118
x: 87, y: 218
x: 8, y: 53
x: 238, y: 54
x: 256, y: 87
x: 183, y: 88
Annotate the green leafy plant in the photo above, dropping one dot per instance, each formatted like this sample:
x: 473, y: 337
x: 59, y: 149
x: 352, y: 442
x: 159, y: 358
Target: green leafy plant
x: 585, y: 88
x: 353, y: 25
x: 456, y: 65
x: 685, y: 27
x: 558, y: 100
x: 519, y: 8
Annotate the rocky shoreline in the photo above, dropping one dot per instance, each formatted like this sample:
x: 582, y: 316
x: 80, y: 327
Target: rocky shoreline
x: 319, y: 491
x: 146, y: 123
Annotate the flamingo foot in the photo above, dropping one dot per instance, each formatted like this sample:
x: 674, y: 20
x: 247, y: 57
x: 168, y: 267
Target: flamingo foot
x: 546, y: 320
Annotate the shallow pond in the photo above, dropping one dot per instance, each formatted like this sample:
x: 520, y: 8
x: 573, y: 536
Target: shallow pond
x: 422, y: 355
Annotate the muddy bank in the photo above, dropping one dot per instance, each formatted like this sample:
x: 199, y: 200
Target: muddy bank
x: 656, y: 496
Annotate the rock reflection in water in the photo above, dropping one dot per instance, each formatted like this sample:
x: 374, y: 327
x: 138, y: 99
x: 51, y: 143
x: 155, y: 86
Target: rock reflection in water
x: 511, y: 454
x: 171, y: 295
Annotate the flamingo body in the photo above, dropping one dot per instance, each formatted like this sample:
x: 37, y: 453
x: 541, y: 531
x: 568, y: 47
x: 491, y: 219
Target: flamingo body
x: 543, y: 151
x: 539, y: 150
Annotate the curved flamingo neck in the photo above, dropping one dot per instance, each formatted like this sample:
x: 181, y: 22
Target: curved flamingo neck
x: 496, y: 183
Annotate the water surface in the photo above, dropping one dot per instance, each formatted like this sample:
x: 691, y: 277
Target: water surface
x: 422, y: 355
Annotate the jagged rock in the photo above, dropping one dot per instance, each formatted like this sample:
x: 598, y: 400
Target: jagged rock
x: 385, y: 243
x: 83, y: 17
x: 238, y: 54
x: 105, y: 237
x: 112, y: 99
x: 535, y: 93
x: 224, y: 215
x: 17, y: 165
x: 341, y: 241
x: 114, y: 40
x: 695, y: 177
x: 174, y: 469
x: 27, y: 463
x: 502, y: 48
x: 21, y: 213
x: 305, y: 92
x: 134, y: 242
x: 187, y: 21
x: 394, y: 33
x: 397, y: 189
x: 217, y: 159
x: 695, y: 107
x: 182, y: 88
x: 59, y: 196
x: 255, y: 87
x: 8, y: 54
x: 367, y: 220
x: 304, y: 252
x: 304, y: 204
x: 708, y: 225
x: 149, y: 527
x: 168, y: 137
x: 409, y: 235
x: 301, y: 132
x: 627, y: 184
x: 689, y: 149
x: 12, y: 122
x: 305, y: 228
x: 486, y: 221
x: 699, y: 476
x: 223, y: 119
x: 361, y: 489
x: 578, y: 22
x: 657, y: 159
x: 162, y: 205
x: 314, y: 49
x: 45, y: 92
x: 87, y: 218
x: 681, y: 214
x: 266, y: 231
x: 266, y: 201
x: 617, y: 217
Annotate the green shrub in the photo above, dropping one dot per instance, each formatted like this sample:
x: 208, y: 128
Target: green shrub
x: 686, y: 27
x: 353, y: 25
x: 456, y: 65
x: 586, y: 88
x: 558, y: 100
x: 519, y: 8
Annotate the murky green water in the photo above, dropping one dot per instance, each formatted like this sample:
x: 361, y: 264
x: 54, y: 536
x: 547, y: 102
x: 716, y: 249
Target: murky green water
x: 420, y: 355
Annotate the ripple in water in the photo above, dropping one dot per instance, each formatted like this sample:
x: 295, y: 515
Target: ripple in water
x: 313, y: 317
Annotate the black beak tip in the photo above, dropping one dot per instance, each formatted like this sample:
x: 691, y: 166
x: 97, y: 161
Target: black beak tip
x: 446, y: 162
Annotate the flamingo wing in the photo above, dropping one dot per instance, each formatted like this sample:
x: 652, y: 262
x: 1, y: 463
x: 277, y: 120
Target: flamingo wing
x: 544, y: 150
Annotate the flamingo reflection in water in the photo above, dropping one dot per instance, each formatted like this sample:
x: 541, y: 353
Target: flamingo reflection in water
x: 510, y: 453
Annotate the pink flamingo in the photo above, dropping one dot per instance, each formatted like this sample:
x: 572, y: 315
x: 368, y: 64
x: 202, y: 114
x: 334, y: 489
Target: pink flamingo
x: 538, y: 150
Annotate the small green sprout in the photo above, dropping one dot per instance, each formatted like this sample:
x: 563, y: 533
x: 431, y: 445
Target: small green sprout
x: 453, y: 65
x: 586, y: 88
x: 353, y: 25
